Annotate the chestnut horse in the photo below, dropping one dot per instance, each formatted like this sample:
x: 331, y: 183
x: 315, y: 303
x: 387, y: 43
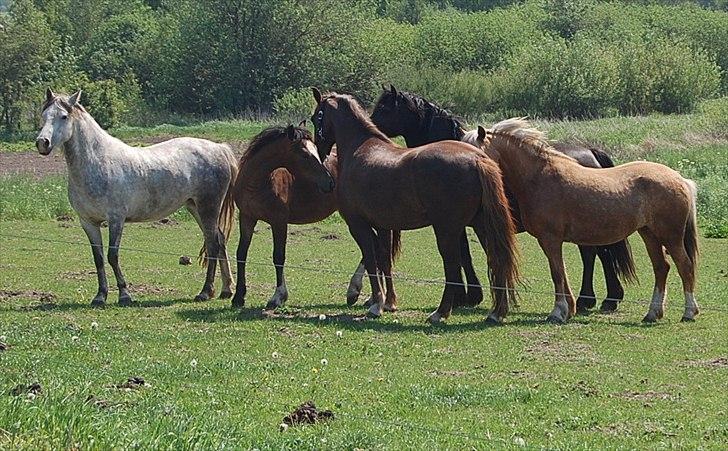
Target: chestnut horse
x: 419, y: 121
x: 282, y: 181
x: 564, y: 201
x: 448, y: 185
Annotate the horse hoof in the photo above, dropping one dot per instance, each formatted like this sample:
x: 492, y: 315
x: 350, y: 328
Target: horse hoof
x: 369, y: 302
x: 238, y: 302
x: 225, y: 294
x: 687, y: 319
x: 352, y: 298
x: 98, y: 302
x: 584, y: 304
x: 493, y: 321
x: 553, y: 319
x: 125, y: 301
x: 609, y: 306
x: 272, y: 305
x: 475, y: 298
x: 390, y: 308
x: 649, y: 319
x: 373, y: 314
x: 436, y: 318
x: 202, y: 297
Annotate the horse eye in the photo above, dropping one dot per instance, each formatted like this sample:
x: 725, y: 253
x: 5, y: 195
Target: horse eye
x: 64, y: 117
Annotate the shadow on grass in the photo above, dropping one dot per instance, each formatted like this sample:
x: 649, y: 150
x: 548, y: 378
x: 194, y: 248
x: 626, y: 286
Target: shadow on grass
x: 78, y: 306
x: 355, y: 318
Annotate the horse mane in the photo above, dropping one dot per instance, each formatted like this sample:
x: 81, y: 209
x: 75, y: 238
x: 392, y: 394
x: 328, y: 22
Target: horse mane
x: 422, y: 106
x: 359, y: 113
x: 520, y: 132
x: 62, y: 100
x: 270, y: 135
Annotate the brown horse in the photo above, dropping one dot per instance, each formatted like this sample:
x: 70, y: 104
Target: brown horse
x: 563, y: 201
x: 448, y: 185
x: 282, y: 181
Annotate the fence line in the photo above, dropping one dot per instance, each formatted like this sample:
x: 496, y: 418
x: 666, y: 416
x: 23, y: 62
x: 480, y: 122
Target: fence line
x: 395, y: 277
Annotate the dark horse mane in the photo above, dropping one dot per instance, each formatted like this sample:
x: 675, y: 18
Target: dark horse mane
x: 426, y: 109
x: 270, y: 135
x: 360, y: 113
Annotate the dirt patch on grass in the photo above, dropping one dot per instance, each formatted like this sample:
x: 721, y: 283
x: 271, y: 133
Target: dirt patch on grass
x: 143, y: 288
x: 330, y: 237
x: 306, y: 413
x: 40, y: 296
x: 717, y: 363
x: 547, y: 346
x: 647, y: 396
x: 32, y: 163
x: 78, y: 275
x: 31, y: 390
x: 133, y: 383
x: 447, y: 373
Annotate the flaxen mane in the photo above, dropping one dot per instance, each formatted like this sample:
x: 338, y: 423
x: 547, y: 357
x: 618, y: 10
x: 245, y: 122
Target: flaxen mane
x: 360, y: 114
x: 270, y: 135
x: 521, y: 133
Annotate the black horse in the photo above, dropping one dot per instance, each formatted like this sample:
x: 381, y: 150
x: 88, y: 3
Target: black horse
x: 419, y: 121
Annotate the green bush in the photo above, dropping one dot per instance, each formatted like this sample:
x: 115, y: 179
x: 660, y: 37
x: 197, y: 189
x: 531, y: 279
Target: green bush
x: 112, y: 103
x: 294, y: 104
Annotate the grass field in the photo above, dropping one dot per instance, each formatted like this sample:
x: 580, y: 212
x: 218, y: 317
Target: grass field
x: 221, y: 378
x: 225, y: 378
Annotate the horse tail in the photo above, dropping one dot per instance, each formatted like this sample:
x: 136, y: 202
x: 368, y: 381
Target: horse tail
x: 499, y: 238
x: 396, y: 244
x: 690, y: 238
x: 603, y: 158
x: 226, y: 219
x: 619, y: 257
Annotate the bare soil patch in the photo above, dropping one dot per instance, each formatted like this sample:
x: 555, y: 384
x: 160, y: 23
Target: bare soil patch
x: 33, y: 389
x: 31, y: 163
x: 41, y: 296
x: 306, y: 413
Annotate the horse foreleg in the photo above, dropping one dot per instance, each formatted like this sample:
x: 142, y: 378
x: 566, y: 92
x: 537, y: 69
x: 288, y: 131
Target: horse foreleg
x: 564, y: 305
x: 449, y: 247
x: 247, y: 226
x: 474, y: 295
x: 280, y: 296
x: 93, y: 232
x: 366, y: 239
x: 661, y: 267
x: 116, y: 227
x: 384, y: 261
x: 587, y: 299
x: 210, y: 233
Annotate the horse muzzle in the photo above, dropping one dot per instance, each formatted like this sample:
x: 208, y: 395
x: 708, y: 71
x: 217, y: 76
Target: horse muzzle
x: 43, y: 145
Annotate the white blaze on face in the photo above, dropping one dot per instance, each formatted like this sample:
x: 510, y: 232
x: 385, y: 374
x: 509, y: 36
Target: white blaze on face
x: 311, y: 148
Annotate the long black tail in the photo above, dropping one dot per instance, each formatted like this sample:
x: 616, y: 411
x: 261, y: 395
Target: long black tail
x: 603, y: 158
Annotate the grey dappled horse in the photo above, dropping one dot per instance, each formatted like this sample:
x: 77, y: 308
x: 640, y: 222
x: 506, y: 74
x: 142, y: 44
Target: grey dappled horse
x: 111, y: 181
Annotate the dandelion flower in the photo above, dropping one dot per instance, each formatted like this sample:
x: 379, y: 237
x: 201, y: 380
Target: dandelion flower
x: 324, y: 362
x: 339, y: 333
x: 193, y: 363
x: 322, y: 317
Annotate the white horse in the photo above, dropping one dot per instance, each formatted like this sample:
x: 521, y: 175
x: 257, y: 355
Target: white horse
x: 111, y: 181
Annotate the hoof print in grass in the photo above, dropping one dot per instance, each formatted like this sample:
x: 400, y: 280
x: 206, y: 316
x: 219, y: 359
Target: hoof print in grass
x: 31, y: 390
x: 133, y: 383
x: 185, y: 260
x: 306, y: 413
x: 96, y: 402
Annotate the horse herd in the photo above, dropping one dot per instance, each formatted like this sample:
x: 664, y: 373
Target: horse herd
x: 498, y: 181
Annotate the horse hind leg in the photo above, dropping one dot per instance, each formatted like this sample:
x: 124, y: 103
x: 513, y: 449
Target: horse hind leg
x: 356, y: 284
x: 384, y: 262
x: 474, y: 290
x: 661, y: 267
x: 686, y: 269
x: 448, y: 243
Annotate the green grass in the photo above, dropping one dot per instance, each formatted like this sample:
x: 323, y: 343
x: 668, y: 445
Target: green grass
x: 601, y: 381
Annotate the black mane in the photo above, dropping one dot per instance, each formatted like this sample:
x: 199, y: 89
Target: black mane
x: 426, y: 109
x: 272, y: 134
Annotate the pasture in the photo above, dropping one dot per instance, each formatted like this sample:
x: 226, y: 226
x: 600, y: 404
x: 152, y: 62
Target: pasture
x: 217, y: 377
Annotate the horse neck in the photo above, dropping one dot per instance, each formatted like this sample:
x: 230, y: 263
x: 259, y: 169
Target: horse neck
x: 256, y: 170
x: 352, y: 133
x: 520, y: 166
x: 89, y: 145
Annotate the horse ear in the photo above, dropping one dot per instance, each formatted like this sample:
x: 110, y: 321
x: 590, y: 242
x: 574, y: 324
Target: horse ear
x: 73, y: 100
x: 316, y: 94
x: 291, y: 132
x: 481, y: 133
x: 302, y: 124
x: 393, y: 89
x: 50, y: 95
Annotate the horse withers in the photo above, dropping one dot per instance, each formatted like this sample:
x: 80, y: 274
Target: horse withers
x: 111, y: 181
x: 562, y: 201
x: 448, y: 185
x: 419, y: 121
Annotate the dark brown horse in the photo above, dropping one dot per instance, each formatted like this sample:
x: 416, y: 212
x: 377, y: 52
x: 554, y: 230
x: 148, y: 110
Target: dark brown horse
x: 282, y: 181
x: 448, y: 185
x: 419, y: 121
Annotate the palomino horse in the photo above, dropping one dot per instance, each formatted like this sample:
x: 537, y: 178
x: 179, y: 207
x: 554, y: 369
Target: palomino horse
x: 563, y: 201
x: 448, y: 185
x: 419, y: 121
x: 282, y: 181
x: 111, y: 181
